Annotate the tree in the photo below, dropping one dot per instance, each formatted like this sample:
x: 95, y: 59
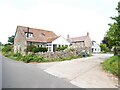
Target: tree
x: 0, y: 43
x: 11, y: 39
x: 113, y: 33
x: 104, y: 48
x: 106, y: 40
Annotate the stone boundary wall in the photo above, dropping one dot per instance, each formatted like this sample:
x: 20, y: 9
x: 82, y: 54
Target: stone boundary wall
x: 67, y: 53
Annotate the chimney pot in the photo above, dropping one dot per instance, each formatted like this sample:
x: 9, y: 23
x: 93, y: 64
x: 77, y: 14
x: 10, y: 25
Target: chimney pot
x: 87, y: 33
x: 68, y: 36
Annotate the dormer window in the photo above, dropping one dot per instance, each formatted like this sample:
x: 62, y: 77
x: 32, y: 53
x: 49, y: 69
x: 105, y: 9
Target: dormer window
x: 42, y: 34
x: 28, y: 34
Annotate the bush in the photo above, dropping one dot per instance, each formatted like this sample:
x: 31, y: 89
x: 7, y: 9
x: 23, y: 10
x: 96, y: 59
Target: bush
x: 27, y: 58
x: 43, y: 49
x: 7, y: 48
x: 17, y: 55
x: 40, y: 49
x: 30, y: 48
x: 112, y: 64
x: 104, y: 48
x: 31, y: 58
x: 61, y: 48
x: 34, y: 49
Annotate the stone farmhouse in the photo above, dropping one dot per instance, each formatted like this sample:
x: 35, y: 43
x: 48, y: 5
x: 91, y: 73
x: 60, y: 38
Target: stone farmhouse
x: 25, y: 36
x: 83, y: 42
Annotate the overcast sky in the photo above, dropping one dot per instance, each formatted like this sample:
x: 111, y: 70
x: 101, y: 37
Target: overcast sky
x: 73, y: 17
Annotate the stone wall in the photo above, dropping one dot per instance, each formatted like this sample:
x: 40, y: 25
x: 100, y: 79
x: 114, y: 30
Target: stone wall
x: 67, y: 53
x: 20, y: 43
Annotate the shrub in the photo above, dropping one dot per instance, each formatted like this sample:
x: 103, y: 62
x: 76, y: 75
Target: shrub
x: 61, y: 48
x: 7, y: 48
x: 104, y: 48
x: 34, y: 49
x: 27, y: 58
x: 17, y: 55
x: 40, y: 49
x: 32, y: 58
x: 43, y: 49
x: 30, y: 48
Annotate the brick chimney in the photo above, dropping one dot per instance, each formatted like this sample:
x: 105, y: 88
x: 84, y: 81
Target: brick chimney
x: 87, y: 33
x: 68, y: 37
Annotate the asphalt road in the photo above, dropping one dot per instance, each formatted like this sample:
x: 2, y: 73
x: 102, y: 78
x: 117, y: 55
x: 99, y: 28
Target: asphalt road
x: 20, y: 75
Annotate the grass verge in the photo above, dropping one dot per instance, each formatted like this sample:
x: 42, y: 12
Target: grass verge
x: 112, y: 65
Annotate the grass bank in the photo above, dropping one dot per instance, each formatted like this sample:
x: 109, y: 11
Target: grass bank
x: 112, y: 65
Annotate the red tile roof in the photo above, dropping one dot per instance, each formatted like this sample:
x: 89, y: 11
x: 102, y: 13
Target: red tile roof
x: 39, y: 35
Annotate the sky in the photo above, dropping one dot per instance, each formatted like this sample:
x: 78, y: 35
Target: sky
x: 73, y: 17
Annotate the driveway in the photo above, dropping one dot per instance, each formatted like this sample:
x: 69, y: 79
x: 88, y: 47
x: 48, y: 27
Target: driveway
x: 83, y: 72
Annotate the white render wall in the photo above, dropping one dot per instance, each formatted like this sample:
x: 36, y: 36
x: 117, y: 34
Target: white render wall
x: 61, y: 41
x: 96, y: 48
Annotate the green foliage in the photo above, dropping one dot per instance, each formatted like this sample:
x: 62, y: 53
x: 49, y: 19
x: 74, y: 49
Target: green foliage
x: 0, y: 43
x: 32, y: 58
x: 61, y: 48
x: 40, y: 49
x: 17, y: 55
x: 7, y: 48
x: 107, y: 41
x: 11, y: 39
x: 111, y: 65
x: 35, y: 58
x: 104, y: 48
x: 113, y: 34
x: 30, y: 48
x: 34, y: 49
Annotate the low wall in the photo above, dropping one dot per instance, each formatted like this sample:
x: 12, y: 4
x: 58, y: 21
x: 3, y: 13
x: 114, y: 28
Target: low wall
x: 67, y: 53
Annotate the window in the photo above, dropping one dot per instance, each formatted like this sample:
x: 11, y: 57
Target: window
x: 95, y: 49
x: 28, y: 34
x: 38, y: 45
x: 49, y: 49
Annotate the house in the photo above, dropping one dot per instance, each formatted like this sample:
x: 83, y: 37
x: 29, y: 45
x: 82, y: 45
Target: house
x: 25, y: 36
x: 95, y: 47
x: 81, y: 42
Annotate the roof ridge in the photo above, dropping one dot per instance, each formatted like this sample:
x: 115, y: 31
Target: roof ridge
x: 34, y: 28
x: 78, y: 37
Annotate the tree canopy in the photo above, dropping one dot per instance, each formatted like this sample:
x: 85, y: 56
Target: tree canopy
x: 11, y: 39
x: 112, y: 37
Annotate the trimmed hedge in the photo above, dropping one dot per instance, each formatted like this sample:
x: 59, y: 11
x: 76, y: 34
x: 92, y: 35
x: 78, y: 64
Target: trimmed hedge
x: 40, y: 49
x: 34, y: 49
